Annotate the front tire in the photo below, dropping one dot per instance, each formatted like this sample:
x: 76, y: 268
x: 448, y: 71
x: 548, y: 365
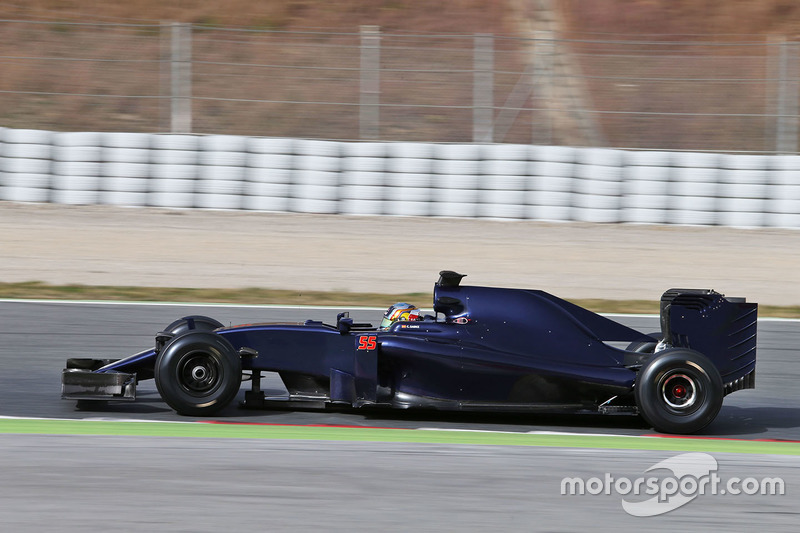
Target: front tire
x: 679, y: 391
x: 182, y: 325
x: 198, y: 373
x: 193, y: 322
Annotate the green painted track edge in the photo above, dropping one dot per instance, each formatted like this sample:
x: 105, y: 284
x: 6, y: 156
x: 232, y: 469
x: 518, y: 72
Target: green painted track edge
x: 389, y: 435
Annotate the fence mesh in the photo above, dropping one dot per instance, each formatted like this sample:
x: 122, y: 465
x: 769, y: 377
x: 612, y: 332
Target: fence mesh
x: 675, y: 95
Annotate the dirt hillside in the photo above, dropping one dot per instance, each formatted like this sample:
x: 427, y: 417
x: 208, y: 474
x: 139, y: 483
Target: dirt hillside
x: 698, y: 17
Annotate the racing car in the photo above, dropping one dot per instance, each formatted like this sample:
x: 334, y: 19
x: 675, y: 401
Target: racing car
x: 483, y: 349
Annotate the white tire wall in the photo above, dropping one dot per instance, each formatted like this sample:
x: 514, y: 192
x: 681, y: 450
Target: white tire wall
x: 315, y: 188
x: 26, y: 165
x: 646, y: 184
x: 456, y: 185
x: 76, y: 168
x: 125, y: 169
x: 783, y: 196
x: 548, y: 183
x: 268, y: 174
x: 363, y: 190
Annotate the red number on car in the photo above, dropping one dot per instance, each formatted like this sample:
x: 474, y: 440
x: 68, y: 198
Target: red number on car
x: 367, y: 342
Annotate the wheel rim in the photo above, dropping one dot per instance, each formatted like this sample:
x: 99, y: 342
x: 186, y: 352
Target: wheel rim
x: 199, y: 372
x: 679, y: 391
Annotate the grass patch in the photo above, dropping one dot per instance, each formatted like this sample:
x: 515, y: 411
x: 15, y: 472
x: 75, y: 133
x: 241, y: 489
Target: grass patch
x: 332, y: 433
x: 250, y: 296
x: 260, y: 296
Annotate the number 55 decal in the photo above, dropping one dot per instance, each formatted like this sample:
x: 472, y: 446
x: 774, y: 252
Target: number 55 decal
x: 367, y: 342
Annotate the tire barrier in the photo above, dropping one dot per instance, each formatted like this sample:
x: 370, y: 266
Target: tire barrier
x: 499, y: 181
x: 26, y: 160
x: 125, y: 169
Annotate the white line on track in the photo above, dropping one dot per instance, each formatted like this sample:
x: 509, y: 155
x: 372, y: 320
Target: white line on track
x: 279, y: 306
x: 94, y: 419
x: 188, y: 304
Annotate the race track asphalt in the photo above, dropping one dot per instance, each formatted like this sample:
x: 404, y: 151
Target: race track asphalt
x: 79, y: 483
x: 37, y: 337
x: 75, y: 484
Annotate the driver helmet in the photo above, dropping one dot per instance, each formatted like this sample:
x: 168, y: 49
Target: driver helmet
x: 400, y: 311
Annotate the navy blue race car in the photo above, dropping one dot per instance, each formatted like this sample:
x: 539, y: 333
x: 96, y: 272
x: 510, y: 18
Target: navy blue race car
x: 485, y: 349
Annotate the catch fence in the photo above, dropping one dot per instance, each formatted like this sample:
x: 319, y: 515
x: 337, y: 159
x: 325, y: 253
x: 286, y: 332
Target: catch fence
x: 675, y: 93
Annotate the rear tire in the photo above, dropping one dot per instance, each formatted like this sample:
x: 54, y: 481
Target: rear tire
x: 679, y: 391
x: 644, y: 346
x: 198, y: 373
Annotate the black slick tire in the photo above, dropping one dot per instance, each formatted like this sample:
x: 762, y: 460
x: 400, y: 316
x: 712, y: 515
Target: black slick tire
x: 198, y: 373
x: 678, y: 391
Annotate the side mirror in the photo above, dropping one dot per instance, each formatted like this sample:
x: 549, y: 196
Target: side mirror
x: 344, y: 323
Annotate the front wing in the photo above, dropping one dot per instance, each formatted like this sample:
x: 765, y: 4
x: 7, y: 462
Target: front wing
x: 79, y: 381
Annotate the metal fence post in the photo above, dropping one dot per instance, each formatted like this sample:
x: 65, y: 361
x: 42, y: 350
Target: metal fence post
x: 369, y: 110
x: 483, y: 89
x: 786, y: 127
x: 164, y: 77
x: 543, y: 61
x: 181, y: 78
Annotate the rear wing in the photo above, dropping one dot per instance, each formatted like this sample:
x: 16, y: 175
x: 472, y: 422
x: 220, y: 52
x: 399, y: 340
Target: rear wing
x: 723, y: 329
